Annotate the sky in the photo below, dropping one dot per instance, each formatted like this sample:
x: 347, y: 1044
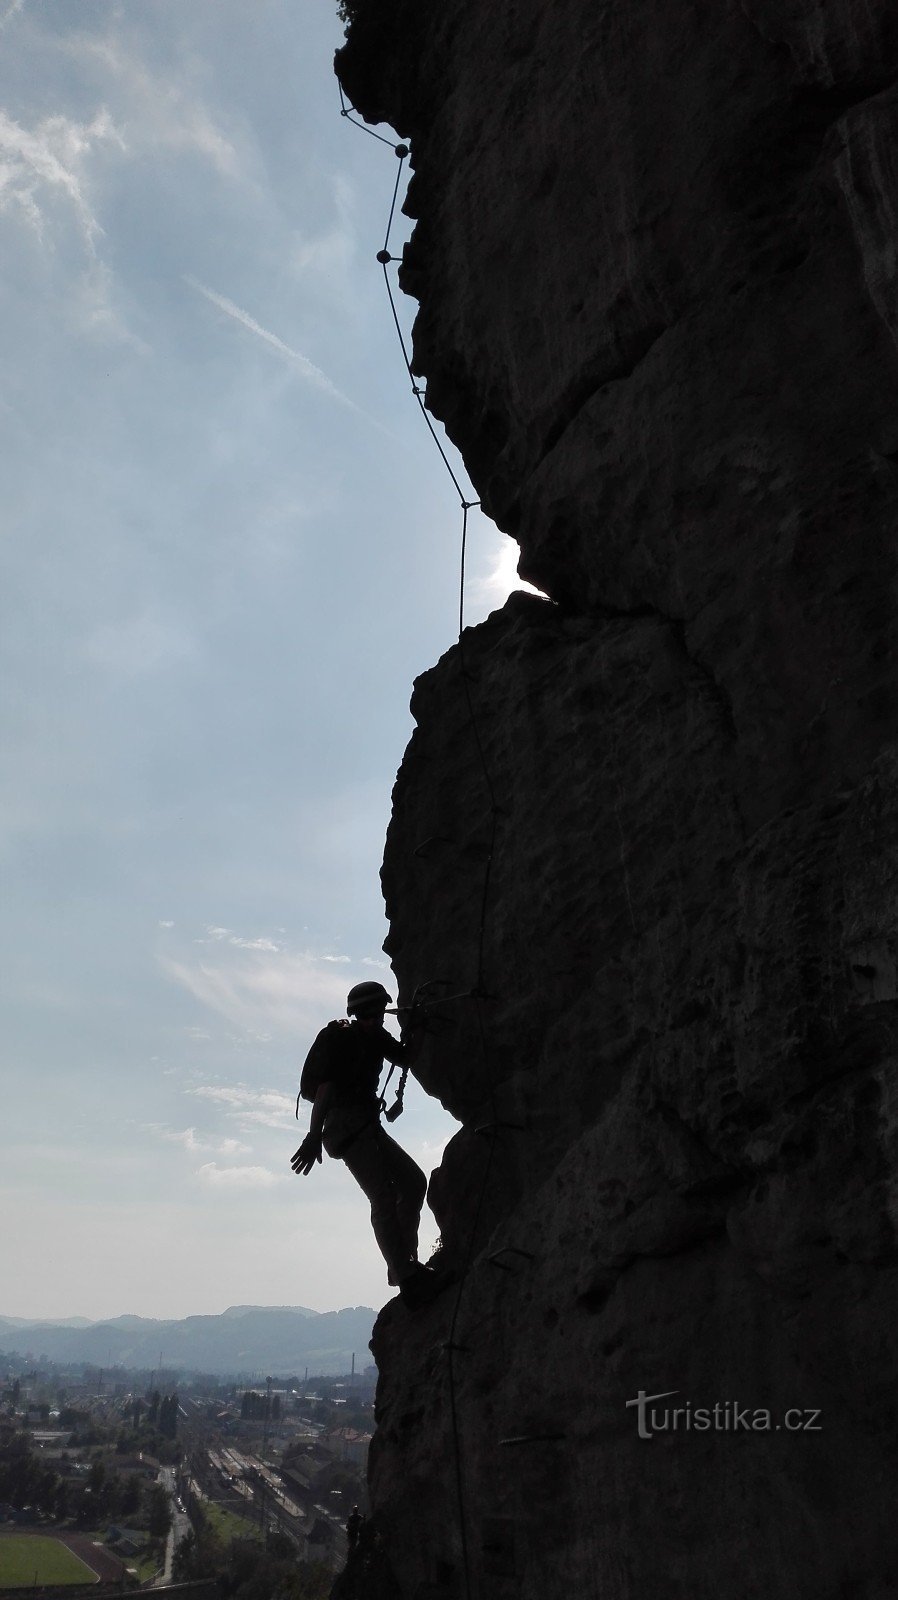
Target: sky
x: 228, y: 547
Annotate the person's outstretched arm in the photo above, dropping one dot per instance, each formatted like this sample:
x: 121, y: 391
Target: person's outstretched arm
x: 310, y: 1150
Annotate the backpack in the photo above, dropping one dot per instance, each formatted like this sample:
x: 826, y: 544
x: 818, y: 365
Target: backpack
x: 318, y: 1062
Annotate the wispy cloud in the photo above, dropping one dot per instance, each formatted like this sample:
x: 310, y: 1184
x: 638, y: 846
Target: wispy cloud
x: 267, y: 1108
x: 198, y: 1144
x: 259, y: 988
x: 48, y: 179
x: 304, y: 366
x: 326, y: 256
x: 47, y: 163
x: 159, y: 112
x: 12, y: 10
x: 224, y: 935
x: 237, y: 1177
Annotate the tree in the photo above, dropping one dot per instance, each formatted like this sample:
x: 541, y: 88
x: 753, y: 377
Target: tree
x: 168, y: 1416
x: 187, y: 1564
x: 130, y: 1496
x: 159, y: 1512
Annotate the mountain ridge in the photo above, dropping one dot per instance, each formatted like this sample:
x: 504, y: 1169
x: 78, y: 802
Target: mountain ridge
x: 281, y: 1339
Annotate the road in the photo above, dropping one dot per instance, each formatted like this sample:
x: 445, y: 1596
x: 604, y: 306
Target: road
x: 180, y: 1525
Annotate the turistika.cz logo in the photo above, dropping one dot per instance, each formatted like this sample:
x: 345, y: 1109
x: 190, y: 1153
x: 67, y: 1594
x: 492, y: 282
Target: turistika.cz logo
x: 725, y: 1416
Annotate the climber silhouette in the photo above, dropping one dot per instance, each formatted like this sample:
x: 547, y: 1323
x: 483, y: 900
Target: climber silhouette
x: 340, y: 1077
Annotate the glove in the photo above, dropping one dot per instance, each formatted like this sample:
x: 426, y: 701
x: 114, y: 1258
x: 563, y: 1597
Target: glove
x: 414, y: 1021
x: 308, y: 1153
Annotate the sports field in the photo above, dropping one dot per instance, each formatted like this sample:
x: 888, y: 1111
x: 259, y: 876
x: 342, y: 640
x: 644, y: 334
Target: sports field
x: 30, y: 1558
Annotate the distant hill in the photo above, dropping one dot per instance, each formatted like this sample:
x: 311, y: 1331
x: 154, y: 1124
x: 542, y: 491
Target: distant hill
x: 45, y: 1322
x: 243, y: 1339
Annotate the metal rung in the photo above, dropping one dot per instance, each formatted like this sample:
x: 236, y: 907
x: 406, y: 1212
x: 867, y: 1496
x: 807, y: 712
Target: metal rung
x: 509, y: 1250
x: 435, y: 838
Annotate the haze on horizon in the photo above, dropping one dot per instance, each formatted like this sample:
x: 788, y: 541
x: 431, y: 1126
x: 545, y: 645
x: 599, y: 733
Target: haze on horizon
x: 230, y: 547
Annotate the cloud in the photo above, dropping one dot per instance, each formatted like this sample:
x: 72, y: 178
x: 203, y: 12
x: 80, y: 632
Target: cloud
x: 232, y: 1147
x: 224, y: 935
x: 189, y: 1140
x: 156, y: 111
x: 265, y: 1108
x: 502, y: 578
x: 51, y: 171
x: 43, y: 166
x: 305, y: 367
x: 328, y: 255
x: 12, y: 10
x: 259, y: 988
x: 430, y: 1152
x: 46, y: 174
x: 237, y: 1177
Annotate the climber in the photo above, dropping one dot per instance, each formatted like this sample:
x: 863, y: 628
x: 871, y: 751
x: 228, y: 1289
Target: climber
x: 340, y: 1077
x: 353, y: 1527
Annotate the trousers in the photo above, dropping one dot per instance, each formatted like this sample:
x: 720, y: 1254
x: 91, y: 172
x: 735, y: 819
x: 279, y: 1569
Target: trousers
x: 393, y: 1183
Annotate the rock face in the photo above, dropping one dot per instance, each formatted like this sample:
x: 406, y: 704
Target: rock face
x: 656, y: 256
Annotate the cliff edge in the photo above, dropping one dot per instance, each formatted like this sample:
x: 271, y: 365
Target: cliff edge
x: 656, y: 264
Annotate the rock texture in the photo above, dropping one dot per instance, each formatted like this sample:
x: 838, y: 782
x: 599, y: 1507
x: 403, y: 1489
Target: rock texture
x: 657, y: 265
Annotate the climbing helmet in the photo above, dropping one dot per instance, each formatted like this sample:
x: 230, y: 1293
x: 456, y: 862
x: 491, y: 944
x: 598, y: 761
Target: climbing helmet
x: 366, y: 1000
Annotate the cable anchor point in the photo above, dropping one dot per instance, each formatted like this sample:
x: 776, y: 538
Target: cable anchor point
x: 383, y: 256
x: 401, y: 151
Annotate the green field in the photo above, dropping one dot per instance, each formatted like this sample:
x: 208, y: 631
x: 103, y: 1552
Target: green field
x: 27, y: 1558
x: 228, y: 1525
